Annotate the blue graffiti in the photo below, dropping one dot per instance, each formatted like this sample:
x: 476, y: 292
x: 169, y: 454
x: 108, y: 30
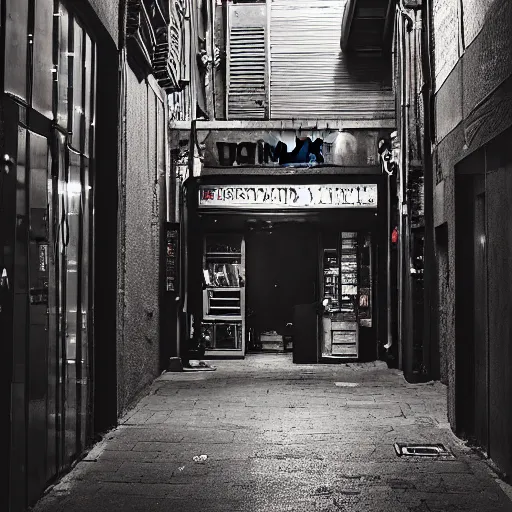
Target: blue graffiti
x: 306, y: 152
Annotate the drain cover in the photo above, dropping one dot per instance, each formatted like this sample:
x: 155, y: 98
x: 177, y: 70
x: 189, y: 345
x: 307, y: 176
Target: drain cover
x: 422, y: 450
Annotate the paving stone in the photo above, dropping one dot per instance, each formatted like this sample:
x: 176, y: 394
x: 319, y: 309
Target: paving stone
x: 280, y: 437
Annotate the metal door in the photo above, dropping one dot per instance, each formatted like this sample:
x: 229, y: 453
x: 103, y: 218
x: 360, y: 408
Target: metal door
x: 49, y: 104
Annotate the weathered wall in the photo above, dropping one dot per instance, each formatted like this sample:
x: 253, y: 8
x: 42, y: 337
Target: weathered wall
x: 456, y: 25
x: 139, y: 252
x: 473, y: 103
x: 108, y: 12
x: 499, y: 262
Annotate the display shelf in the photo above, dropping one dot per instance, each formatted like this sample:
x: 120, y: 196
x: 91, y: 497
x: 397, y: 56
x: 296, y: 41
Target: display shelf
x: 331, y: 278
x: 225, y: 301
x: 222, y: 335
x: 224, y: 294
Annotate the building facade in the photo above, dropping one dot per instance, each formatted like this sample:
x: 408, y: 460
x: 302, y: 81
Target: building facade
x: 285, y: 216
x: 471, y: 185
x: 452, y: 81
x: 85, y: 190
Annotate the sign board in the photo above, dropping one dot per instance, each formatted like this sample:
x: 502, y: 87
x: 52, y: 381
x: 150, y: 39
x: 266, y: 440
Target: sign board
x: 172, y: 233
x: 288, y: 196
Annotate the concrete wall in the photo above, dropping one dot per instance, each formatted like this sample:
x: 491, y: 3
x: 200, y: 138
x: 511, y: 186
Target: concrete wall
x: 141, y: 211
x: 142, y: 176
x: 108, y: 12
x: 499, y: 262
x: 473, y: 105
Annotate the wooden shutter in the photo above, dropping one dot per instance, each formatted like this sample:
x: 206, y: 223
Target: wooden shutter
x: 247, y: 62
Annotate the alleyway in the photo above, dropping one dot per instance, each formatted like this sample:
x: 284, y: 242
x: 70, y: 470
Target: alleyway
x: 280, y: 437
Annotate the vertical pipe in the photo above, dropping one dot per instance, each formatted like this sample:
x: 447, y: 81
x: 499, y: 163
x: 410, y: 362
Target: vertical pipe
x: 401, y: 57
x: 408, y: 317
x: 433, y: 353
x: 388, y: 266
x: 167, y: 164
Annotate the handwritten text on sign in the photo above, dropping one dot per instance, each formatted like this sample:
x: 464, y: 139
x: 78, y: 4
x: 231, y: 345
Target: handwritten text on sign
x: 288, y: 196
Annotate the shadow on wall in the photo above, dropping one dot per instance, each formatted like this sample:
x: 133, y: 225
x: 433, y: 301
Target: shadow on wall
x: 443, y: 277
x: 359, y: 68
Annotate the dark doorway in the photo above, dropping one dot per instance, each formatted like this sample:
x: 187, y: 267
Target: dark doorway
x: 281, y: 265
x: 472, y: 343
x: 481, y: 358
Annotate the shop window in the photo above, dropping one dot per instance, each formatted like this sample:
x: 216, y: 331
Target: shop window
x: 222, y: 265
x: 349, y: 271
x: 222, y: 335
x: 365, y: 282
x: 223, y: 293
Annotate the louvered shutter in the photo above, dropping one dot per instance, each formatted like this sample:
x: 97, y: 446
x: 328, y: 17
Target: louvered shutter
x: 247, y: 62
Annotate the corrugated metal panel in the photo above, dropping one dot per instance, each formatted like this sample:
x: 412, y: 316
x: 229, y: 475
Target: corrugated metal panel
x: 247, y: 62
x: 309, y: 75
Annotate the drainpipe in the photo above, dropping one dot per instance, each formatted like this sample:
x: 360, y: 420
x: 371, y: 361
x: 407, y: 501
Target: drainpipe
x: 405, y: 23
x: 389, y: 343
x: 428, y: 138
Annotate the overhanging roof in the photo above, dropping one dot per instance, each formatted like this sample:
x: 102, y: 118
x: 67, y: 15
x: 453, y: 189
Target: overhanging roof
x: 367, y: 25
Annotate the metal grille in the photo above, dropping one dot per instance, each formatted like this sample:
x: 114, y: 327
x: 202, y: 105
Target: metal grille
x: 421, y: 450
x: 247, y: 65
x: 310, y: 77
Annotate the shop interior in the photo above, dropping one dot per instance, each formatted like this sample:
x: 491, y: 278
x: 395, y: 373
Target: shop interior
x: 263, y: 268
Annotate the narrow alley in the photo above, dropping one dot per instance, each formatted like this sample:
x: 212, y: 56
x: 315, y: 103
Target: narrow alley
x: 265, y: 434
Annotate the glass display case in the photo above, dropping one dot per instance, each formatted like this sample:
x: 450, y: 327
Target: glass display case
x: 365, y: 302
x: 221, y: 335
x: 341, y: 297
x: 224, y: 294
x: 331, y: 279
x: 349, y: 275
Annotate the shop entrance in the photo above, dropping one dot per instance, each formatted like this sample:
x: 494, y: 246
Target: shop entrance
x: 347, y: 295
x: 282, y: 272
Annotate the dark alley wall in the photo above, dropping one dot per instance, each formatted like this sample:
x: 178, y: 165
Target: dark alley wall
x: 108, y: 12
x: 142, y: 175
x: 473, y: 105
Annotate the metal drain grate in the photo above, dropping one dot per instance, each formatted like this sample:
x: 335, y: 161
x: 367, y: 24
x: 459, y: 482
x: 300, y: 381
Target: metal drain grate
x: 422, y: 450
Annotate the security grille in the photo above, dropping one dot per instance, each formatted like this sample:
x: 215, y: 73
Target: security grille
x: 421, y: 450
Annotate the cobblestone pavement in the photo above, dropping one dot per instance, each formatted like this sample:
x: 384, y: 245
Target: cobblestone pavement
x: 280, y: 437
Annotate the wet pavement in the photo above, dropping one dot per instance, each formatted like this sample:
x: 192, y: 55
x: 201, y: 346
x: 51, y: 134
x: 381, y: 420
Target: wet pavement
x: 264, y: 434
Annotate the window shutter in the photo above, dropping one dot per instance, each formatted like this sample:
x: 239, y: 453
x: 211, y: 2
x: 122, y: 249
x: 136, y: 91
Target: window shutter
x: 247, y: 62
x: 310, y: 78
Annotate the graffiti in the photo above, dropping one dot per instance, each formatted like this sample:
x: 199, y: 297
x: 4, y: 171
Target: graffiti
x: 306, y: 151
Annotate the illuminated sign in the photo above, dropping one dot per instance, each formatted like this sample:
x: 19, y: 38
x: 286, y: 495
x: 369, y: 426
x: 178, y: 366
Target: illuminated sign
x: 288, y: 196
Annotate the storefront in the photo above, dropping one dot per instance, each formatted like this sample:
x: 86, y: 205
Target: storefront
x: 266, y: 252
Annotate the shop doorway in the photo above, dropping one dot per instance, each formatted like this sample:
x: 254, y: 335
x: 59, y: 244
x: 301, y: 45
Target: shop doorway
x: 483, y: 286
x: 282, y: 272
x: 347, y: 296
